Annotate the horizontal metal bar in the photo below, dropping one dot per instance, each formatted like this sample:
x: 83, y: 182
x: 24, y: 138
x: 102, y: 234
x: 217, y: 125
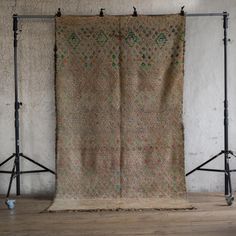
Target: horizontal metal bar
x: 195, y: 14
x: 33, y: 171
x: 5, y: 172
x: 53, y: 16
x: 206, y: 14
x: 213, y: 170
x: 34, y: 16
x: 37, y: 171
x: 24, y: 172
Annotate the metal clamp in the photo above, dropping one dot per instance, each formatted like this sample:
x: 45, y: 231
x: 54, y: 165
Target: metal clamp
x: 135, y: 13
x: 182, y: 11
x: 58, y: 14
x: 101, y: 14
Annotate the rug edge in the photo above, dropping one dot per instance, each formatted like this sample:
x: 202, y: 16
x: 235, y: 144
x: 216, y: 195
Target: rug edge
x: 115, y: 204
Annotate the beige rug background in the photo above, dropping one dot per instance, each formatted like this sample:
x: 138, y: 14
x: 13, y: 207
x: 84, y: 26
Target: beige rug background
x: 119, y: 91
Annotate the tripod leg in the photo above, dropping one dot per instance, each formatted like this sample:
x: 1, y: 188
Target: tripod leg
x: 230, y: 185
x: 36, y: 163
x: 11, y: 179
x: 8, y: 159
x: 229, y: 194
x: 226, y: 176
x: 211, y: 159
x: 229, y: 180
x: 17, y: 162
x: 230, y: 152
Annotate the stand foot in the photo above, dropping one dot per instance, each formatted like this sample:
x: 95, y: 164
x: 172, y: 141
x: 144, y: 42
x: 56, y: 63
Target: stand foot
x: 229, y: 199
x: 10, y: 203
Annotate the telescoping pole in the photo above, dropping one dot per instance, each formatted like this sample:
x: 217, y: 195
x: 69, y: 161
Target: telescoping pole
x: 228, y: 187
x: 17, y: 107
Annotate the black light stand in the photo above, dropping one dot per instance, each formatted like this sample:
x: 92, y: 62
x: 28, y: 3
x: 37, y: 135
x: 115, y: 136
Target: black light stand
x: 16, y: 171
x: 226, y: 152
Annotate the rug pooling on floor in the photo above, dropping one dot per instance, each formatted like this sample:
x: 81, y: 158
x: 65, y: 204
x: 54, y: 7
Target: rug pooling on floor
x: 119, y: 92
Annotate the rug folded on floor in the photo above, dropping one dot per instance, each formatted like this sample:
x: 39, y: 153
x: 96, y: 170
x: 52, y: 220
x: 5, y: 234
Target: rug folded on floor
x: 119, y: 91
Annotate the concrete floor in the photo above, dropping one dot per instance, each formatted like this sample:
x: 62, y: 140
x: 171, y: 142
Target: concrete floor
x: 212, y: 217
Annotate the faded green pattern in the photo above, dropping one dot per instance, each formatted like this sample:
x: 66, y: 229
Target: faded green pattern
x: 119, y: 91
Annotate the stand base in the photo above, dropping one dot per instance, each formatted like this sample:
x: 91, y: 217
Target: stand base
x: 229, y: 200
x: 15, y: 173
x: 10, y: 203
x: 228, y: 186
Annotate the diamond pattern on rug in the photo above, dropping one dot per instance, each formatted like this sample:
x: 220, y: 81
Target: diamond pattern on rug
x: 119, y: 92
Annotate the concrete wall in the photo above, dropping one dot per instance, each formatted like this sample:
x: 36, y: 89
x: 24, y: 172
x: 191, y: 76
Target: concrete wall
x: 203, y: 87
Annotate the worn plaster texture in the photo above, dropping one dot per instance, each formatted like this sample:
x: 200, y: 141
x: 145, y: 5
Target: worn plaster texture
x: 203, y: 84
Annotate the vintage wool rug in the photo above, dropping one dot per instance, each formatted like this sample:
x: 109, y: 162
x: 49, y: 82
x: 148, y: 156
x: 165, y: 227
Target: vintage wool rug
x: 119, y: 92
